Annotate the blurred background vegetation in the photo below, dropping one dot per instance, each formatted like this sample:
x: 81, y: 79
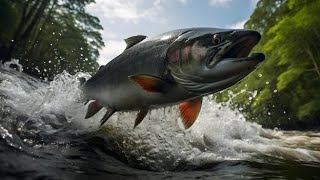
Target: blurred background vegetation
x: 286, y: 87
x: 55, y: 35
x: 49, y: 36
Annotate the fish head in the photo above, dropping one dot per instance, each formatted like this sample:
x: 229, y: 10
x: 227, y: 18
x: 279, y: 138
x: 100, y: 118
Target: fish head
x: 206, y: 60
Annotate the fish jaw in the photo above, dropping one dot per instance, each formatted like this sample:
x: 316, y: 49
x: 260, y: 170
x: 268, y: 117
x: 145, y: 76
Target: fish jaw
x: 204, y: 68
x: 178, y: 67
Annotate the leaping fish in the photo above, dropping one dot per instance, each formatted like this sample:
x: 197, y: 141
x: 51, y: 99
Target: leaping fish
x: 176, y: 67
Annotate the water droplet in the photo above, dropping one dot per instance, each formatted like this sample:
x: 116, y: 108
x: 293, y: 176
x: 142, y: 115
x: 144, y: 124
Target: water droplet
x: 275, y: 91
x: 260, y: 75
x: 267, y: 82
x: 269, y: 113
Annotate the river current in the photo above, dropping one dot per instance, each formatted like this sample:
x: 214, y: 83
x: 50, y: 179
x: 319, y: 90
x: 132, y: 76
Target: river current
x: 43, y: 135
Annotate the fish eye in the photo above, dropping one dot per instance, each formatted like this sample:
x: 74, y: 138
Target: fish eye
x: 216, y: 39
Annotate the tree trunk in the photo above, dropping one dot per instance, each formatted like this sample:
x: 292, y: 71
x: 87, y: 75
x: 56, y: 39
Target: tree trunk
x: 37, y: 34
x: 316, y: 67
x: 26, y: 24
x: 39, y: 13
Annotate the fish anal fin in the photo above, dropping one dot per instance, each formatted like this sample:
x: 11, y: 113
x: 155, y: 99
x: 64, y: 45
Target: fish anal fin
x: 106, y: 116
x: 150, y: 83
x: 131, y: 41
x: 141, y: 115
x: 189, y: 111
x: 93, y: 108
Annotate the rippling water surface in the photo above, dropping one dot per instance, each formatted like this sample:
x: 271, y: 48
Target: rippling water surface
x: 43, y: 135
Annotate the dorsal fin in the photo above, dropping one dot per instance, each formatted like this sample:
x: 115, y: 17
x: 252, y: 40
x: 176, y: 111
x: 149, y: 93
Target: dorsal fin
x: 100, y: 67
x: 131, y: 41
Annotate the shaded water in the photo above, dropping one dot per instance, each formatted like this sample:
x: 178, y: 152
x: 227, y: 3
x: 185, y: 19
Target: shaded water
x: 43, y: 135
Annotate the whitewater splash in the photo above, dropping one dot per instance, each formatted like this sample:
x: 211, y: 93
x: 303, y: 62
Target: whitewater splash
x: 40, y: 111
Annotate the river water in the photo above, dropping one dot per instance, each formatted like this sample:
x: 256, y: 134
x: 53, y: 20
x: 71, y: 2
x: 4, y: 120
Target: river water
x: 43, y: 135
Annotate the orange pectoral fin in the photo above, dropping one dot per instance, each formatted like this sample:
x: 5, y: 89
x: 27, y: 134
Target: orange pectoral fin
x: 93, y: 108
x: 189, y: 111
x: 150, y: 83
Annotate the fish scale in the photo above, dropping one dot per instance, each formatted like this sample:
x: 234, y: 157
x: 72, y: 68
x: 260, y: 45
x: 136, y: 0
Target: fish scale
x: 177, y: 67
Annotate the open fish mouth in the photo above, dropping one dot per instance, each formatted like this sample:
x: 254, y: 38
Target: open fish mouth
x: 239, y: 50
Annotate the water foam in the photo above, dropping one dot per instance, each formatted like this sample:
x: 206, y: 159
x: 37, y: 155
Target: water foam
x: 160, y: 141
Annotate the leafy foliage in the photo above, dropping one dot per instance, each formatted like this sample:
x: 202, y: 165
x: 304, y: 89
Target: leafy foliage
x: 50, y: 36
x: 288, y: 82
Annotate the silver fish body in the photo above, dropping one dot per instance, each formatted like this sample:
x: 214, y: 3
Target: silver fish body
x: 112, y: 87
x: 173, y: 67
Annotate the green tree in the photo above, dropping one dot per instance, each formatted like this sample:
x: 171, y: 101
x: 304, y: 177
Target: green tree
x: 288, y: 82
x: 8, y: 24
x: 52, y: 36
